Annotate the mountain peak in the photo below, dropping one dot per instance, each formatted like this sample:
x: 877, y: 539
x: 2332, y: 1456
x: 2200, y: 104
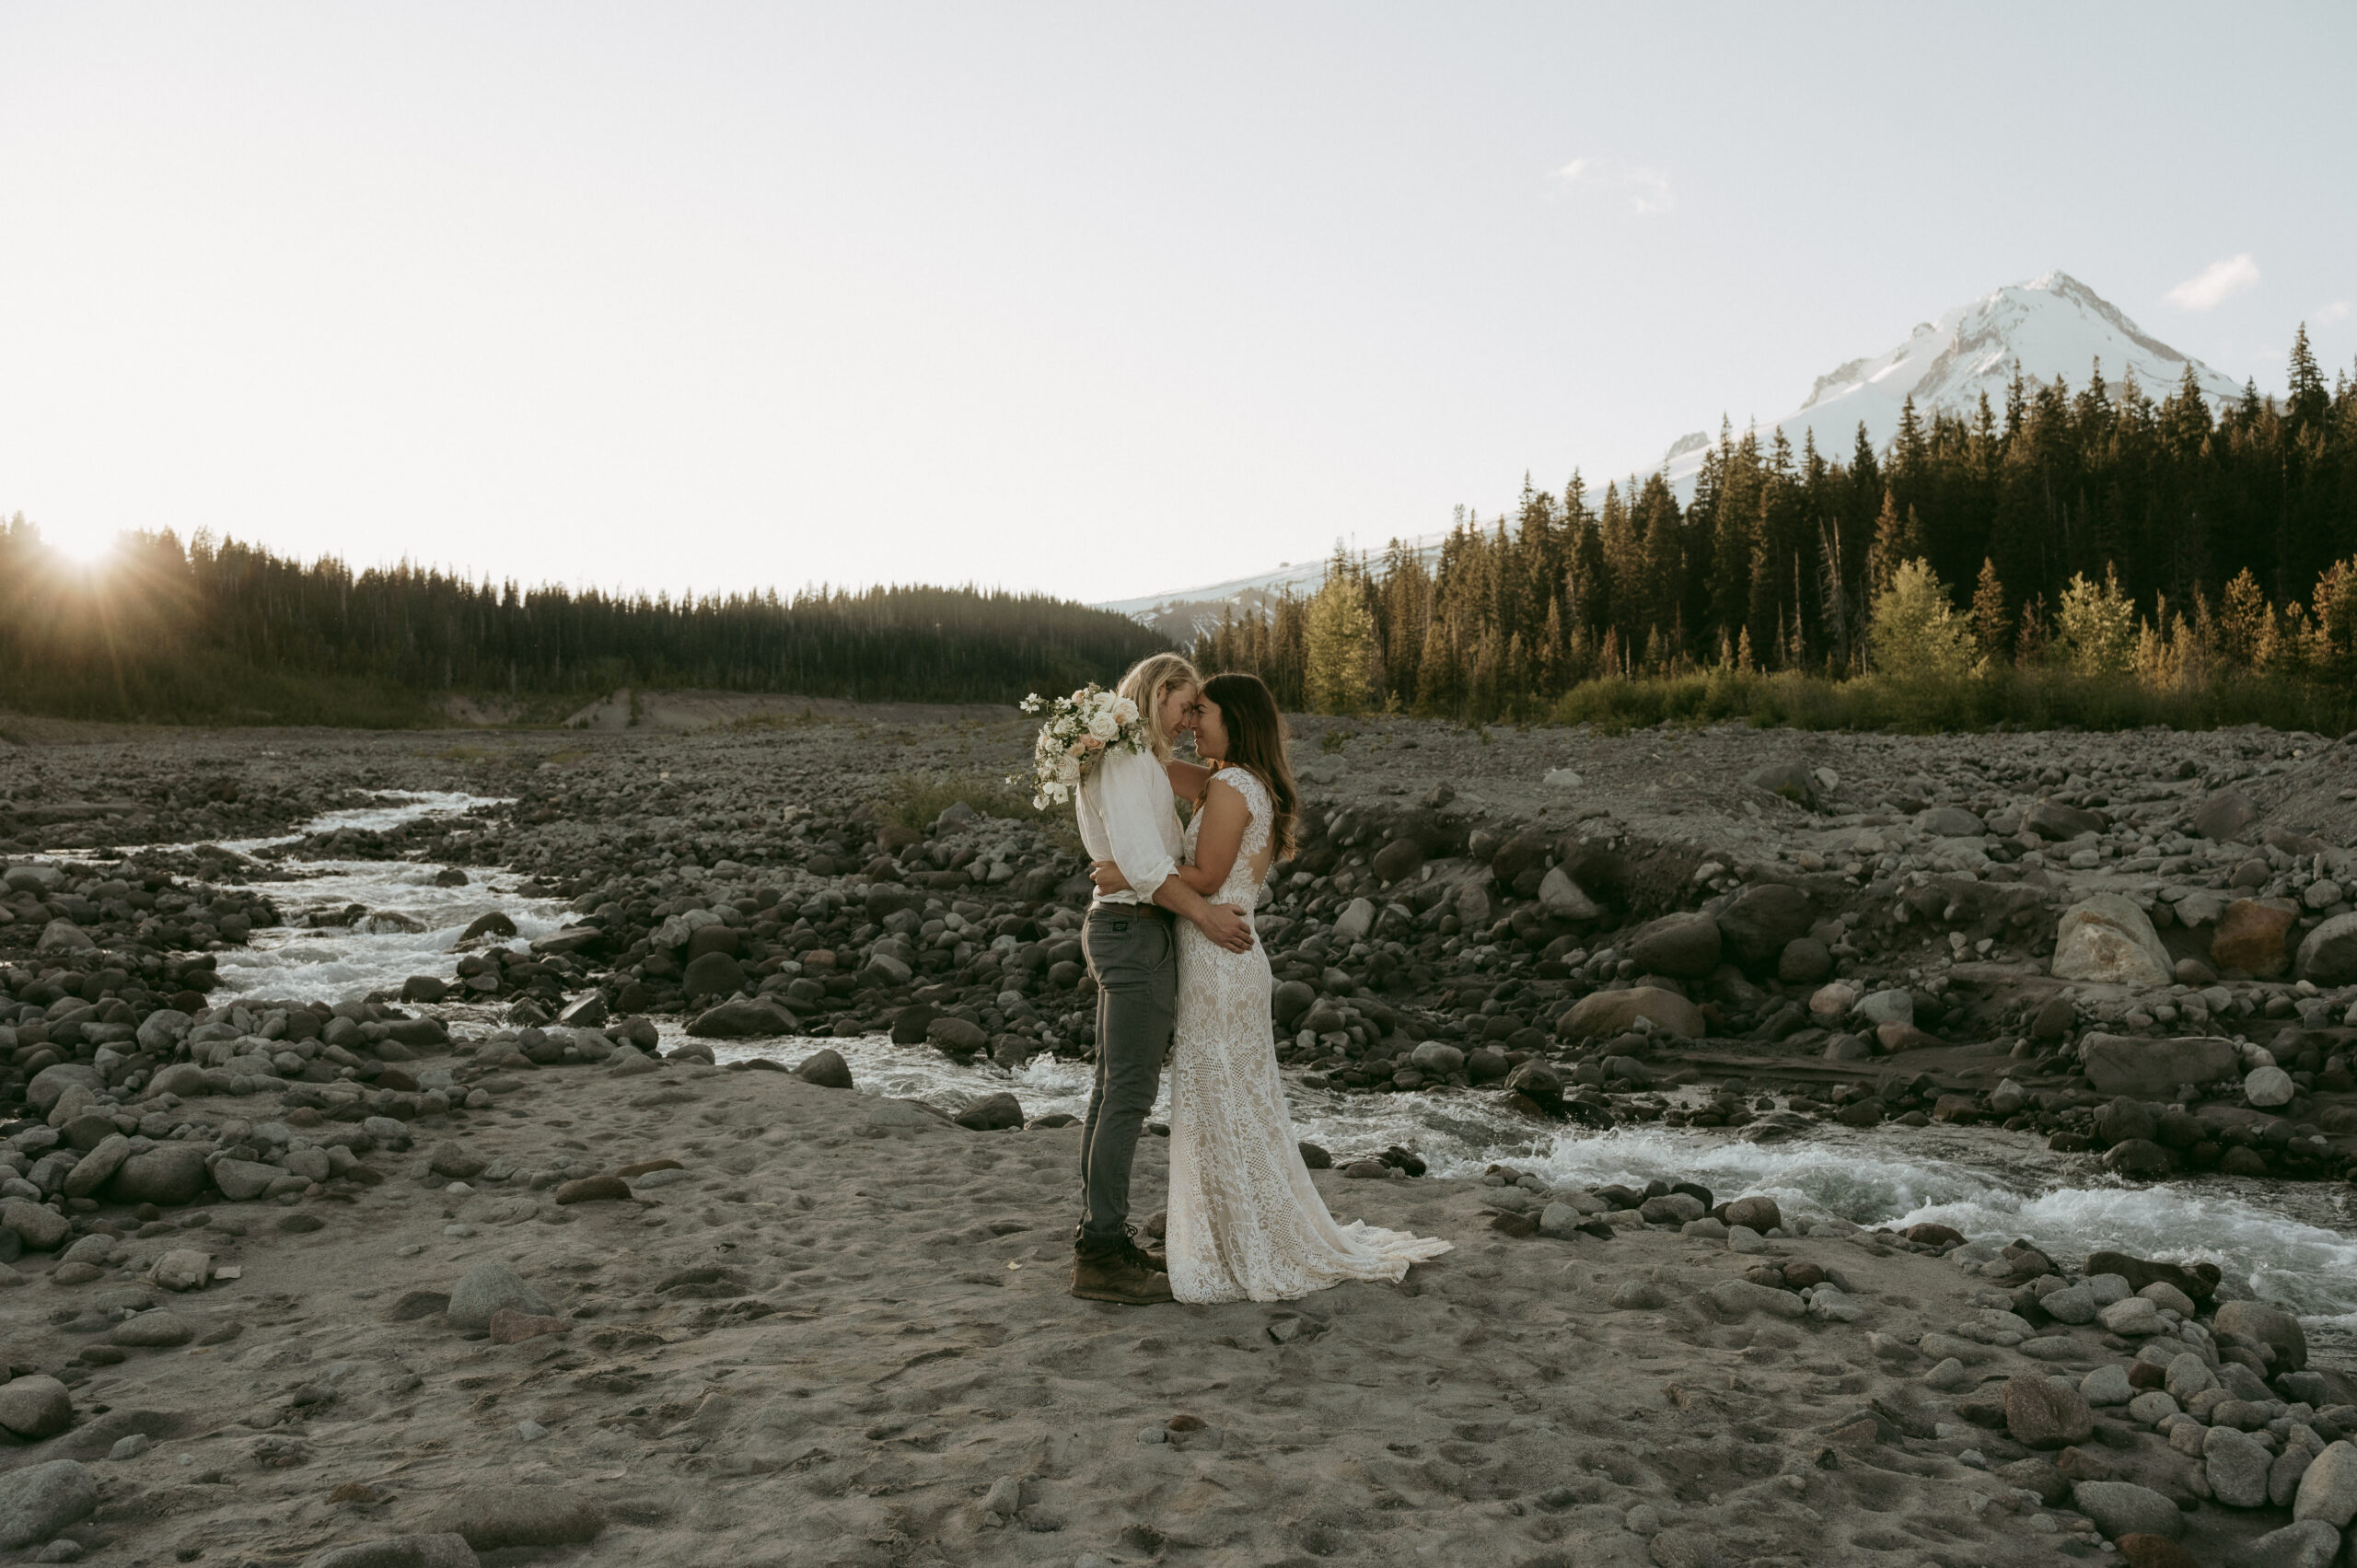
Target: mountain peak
x: 2051, y: 326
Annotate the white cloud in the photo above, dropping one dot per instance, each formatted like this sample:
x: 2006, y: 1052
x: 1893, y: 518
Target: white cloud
x: 1647, y: 190
x: 2336, y: 311
x: 2216, y: 283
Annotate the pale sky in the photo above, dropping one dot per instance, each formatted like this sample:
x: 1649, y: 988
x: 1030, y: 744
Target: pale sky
x: 1095, y: 299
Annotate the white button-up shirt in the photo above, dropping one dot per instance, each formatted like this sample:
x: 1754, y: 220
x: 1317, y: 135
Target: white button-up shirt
x: 1127, y: 816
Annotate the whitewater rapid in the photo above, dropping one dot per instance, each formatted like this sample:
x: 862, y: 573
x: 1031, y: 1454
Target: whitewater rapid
x: 2292, y: 1242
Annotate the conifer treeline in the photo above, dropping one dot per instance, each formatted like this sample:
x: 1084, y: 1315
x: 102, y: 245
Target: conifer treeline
x: 162, y: 631
x: 1777, y: 561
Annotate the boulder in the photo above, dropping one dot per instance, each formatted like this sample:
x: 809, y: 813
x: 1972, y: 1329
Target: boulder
x: 2269, y: 1086
x: 1951, y: 822
x: 162, y: 1029
x: 1437, y: 1059
x: 827, y: 1069
x: 910, y: 1022
x: 2106, y: 939
x: 1356, y: 921
x: 2121, y: 1508
x: 49, y: 1084
x: 1761, y: 920
x: 2151, y: 1069
x: 1607, y: 1013
x: 2329, y: 1486
x: 97, y: 1166
x: 2307, y: 1543
x: 36, y: 1406
x: 746, y: 1019
x: 2235, y: 1466
x: 2270, y: 1326
x: 2327, y: 955
x: 713, y: 974
x: 39, y: 1227
x: 2225, y: 816
x: 1683, y: 947
x: 1398, y: 860
x: 63, y: 936
x: 956, y: 1037
x: 1790, y: 780
x: 2197, y: 1282
x: 2249, y: 936
x: 1566, y: 899
x: 2052, y: 819
x: 991, y: 1113
x: 39, y: 1502
x: 1290, y: 1000
x: 167, y: 1174
x: 1758, y: 1212
x: 241, y: 1180
x: 484, y: 1289
x: 2043, y: 1414
x: 1804, y: 961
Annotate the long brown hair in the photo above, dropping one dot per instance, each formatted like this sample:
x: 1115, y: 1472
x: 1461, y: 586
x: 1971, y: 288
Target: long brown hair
x: 1256, y: 739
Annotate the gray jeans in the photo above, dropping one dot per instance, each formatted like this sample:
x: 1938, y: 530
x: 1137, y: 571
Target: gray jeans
x: 1132, y: 951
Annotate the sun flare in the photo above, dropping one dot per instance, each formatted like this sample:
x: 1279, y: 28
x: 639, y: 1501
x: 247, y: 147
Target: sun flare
x: 84, y: 547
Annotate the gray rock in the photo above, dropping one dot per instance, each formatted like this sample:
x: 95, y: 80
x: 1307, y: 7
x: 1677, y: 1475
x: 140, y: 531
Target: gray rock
x: 2073, y: 1304
x: 162, y: 1029
x: 2225, y: 815
x: 2237, y: 1466
x: 1790, y: 780
x: 1951, y: 822
x: 158, y: 1330
x: 2150, y: 1069
x: 2269, y: 1325
x: 991, y: 1113
x: 1804, y: 961
x: 167, y: 1174
x: 2043, y: 1414
x: 493, y: 1518
x: 956, y: 1037
x: 1564, y: 899
x: 2283, y: 1477
x: 94, y: 1167
x: 1892, y: 1005
x: 36, y: 1406
x: 2120, y: 1508
x: 2052, y: 819
x: 1758, y: 1212
x: 1684, y: 946
x: 63, y: 936
x: 1437, y: 1059
x: 42, y: 1229
x: 2309, y: 1543
x: 2269, y: 1086
x: 39, y: 1501
x: 2106, y: 1385
x: 399, y: 1552
x: 243, y: 1180
x: 2328, y: 1491
x: 485, y: 1288
x: 1671, y: 1208
x: 1761, y: 920
x: 1738, y: 1297
x: 713, y: 974
x: 1356, y: 921
x: 2105, y: 938
x: 827, y: 1069
x: 753, y: 1018
x: 2188, y: 1375
x: 2327, y: 955
x: 884, y: 969
x: 52, y: 1081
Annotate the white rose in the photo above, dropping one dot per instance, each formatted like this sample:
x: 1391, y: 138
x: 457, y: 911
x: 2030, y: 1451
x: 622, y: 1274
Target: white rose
x: 1125, y: 711
x: 1104, y: 726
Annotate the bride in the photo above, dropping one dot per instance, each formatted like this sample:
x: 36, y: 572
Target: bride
x: 1245, y: 1220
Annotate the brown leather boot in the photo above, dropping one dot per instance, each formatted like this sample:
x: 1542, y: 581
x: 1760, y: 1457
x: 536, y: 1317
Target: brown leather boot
x: 1117, y: 1271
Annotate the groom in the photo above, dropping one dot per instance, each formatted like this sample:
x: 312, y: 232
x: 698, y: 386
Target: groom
x: 1126, y: 816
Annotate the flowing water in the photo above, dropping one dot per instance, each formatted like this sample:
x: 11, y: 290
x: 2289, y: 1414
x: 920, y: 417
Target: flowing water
x: 2294, y: 1242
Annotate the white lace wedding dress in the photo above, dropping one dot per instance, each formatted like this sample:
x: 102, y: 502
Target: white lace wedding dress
x: 1244, y: 1222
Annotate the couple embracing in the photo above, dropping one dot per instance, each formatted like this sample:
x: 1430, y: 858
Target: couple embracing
x: 1179, y: 970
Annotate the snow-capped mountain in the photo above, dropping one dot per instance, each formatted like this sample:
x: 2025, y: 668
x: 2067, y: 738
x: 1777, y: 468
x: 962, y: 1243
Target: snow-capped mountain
x: 2051, y: 326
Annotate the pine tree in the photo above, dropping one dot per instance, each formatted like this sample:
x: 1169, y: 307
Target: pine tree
x: 1991, y: 625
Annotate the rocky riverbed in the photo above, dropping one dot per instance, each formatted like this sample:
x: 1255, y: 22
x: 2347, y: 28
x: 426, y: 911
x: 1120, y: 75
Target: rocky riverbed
x: 394, y: 1159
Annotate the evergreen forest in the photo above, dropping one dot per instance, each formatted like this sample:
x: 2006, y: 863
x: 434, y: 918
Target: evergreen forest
x: 2196, y: 565
x: 212, y: 632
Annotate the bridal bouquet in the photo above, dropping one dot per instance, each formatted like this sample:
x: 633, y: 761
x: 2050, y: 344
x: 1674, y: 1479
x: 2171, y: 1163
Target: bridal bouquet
x: 1080, y: 730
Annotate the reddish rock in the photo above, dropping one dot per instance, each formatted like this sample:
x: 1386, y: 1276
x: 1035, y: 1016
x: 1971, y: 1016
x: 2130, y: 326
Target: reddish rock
x: 1930, y: 1235
x: 2042, y: 1413
x: 593, y: 1190
x: 2250, y: 936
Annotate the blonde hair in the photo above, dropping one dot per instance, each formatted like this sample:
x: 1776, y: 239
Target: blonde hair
x: 1148, y: 681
